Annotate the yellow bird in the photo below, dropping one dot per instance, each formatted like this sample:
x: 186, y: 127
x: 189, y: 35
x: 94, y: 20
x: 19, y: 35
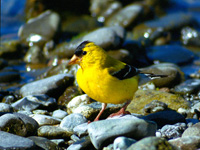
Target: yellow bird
x: 104, y: 78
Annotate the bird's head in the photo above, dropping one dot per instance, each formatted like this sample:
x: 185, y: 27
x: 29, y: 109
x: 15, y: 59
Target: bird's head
x: 87, y: 53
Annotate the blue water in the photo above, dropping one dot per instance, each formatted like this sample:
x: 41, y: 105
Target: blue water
x: 12, y: 17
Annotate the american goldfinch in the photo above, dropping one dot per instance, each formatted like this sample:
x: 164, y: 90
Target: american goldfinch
x: 104, y: 78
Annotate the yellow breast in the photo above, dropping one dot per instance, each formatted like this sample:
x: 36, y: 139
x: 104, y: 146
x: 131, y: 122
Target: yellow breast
x: 101, y: 86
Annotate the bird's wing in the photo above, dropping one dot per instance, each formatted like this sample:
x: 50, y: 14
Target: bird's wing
x: 125, y: 72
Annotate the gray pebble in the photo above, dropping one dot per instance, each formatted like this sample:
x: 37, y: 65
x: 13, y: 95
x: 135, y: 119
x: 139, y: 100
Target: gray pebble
x: 104, y: 131
x: 192, y: 131
x: 81, y: 129
x: 71, y: 121
x: 45, y: 120
x: 52, y: 86
x: 5, y: 107
x: 53, y: 132
x: 83, y: 143
x: 60, y: 114
x: 122, y: 143
x: 11, y: 141
x: 151, y: 143
x: 12, y: 124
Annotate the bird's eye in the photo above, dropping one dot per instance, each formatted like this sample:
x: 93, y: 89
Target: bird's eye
x: 84, y: 52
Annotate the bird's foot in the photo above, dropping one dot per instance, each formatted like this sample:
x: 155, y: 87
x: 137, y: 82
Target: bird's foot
x: 119, y: 113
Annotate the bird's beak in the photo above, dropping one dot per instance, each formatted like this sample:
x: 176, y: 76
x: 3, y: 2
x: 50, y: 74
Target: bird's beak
x: 74, y: 60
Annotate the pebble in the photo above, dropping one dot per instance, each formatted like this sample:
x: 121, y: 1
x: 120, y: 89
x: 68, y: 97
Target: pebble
x: 45, y: 120
x: 81, y: 129
x: 186, y: 143
x: 173, y: 72
x: 47, y: 24
x: 30, y: 123
x: 32, y: 102
x: 188, y: 87
x: 172, y: 131
x: 12, y: 124
x: 53, y: 132
x: 71, y: 121
x: 83, y: 143
x: 122, y: 143
x: 44, y: 143
x: 52, y: 86
x: 143, y: 97
x: 105, y: 131
x: 170, y: 53
x: 194, y: 130
x: 165, y: 117
x: 60, y: 114
x: 126, y: 16
x: 5, y: 107
x: 11, y: 141
x: 154, y: 106
x: 151, y: 143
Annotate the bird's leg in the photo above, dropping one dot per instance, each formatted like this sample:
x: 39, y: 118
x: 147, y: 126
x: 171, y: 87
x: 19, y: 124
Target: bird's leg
x: 122, y: 111
x: 102, y: 109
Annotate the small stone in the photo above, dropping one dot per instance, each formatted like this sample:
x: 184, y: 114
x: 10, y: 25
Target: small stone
x: 45, y: 120
x: 192, y: 131
x: 105, y: 131
x: 81, y: 129
x: 72, y: 120
x: 12, y: 124
x: 52, y: 86
x: 41, y: 112
x: 122, y: 143
x: 154, y: 106
x: 53, y: 132
x: 186, y: 143
x: 5, y: 107
x: 83, y: 143
x: 44, y: 143
x: 60, y: 114
x: 165, y: 117
x: 151, y: 143
x: 188, y: 87
x: 11, y: 141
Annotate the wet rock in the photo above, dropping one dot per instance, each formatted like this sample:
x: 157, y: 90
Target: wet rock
x: 103, y: 132
x: 154, y: 28
x: 30, y: 124
x: 81, y: 129
x: 8, y: 99
x: 122, y: 143
x: 34, y: 55
x: 60, y: 114
x: 188, y: 87
x: 5, y: 108
x: 52, y: 86
x: 72, y: 120
x: 126, y: 16
x: 170, y: 53
x: 30, y: 103
x: 12, y: 124
x: 45, y: 120
x: 154, y: 106
x: 172, y: 131
x: 190, y: 36
x: 10, y: 49
x: 192, y: 131
x: 173, y: 72
x: 186, y: 143
x: 53, y: 132
x: 83, y: 143
x: 165, y: 117
x: 106, y: 37
x: 44, y: 143
x: 40, y: 29
x: 151, y: 143
x: 9, y: 76
x: 41, y: 112
x: 143, y: 97
x: 11, y: 141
